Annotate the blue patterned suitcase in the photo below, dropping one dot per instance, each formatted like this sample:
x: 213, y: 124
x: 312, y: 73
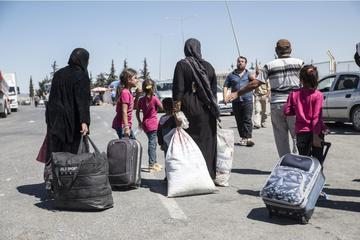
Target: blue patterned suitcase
x: 294, y: 186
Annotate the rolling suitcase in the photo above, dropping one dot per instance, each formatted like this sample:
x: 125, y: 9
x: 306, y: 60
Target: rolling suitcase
x: 294, y: 186
x: 124, y: 156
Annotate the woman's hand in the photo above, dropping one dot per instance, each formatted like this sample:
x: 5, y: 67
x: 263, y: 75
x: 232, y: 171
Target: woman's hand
x: 84, y: 129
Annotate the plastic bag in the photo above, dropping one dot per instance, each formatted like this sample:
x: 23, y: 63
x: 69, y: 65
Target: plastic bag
x: 186, y: 168
x: 224, y: 157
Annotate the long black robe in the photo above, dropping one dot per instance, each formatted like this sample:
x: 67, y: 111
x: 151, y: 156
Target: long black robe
x: 69, y: 103
x: 202, y: 124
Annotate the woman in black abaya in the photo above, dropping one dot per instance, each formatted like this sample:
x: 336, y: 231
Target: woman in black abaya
x: 68, y: 110
x: 194, y: 91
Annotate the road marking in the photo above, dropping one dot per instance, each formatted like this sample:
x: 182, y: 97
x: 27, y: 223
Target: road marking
x: 106, y: 124
x: 1, y: 194
x: 173, y: 208
x: 8, y: 179
x: 31, y: 121
x: 170, y: 204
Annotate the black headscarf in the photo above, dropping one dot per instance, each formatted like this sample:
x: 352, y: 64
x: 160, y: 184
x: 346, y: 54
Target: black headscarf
x: 192, y: 51
x: 79, y: 57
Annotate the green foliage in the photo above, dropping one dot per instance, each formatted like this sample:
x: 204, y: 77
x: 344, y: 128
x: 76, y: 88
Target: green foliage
x: 145, y: 74
x: 125, y: 64
x: 41, y: 92
x: 101, y: 80
x: 54, y: 69
x: 31, y: 88
x: 111, y: 76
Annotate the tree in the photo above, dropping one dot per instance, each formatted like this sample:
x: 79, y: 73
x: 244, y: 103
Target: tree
x: 92, y: 84
x: 111, y: 76
x: 41, y: 92
x: 125, y: 64
x: 31, y: 88
x: 145, y: 74
x: 54, y: 69
x: 100, y: 80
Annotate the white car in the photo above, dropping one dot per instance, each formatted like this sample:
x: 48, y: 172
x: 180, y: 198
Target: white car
x: 222, y: 107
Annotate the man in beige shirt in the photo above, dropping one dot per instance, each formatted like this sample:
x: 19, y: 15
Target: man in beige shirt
x: 261, y: 94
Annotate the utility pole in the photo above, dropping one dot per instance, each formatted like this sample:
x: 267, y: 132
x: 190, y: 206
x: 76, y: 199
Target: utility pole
x: 233, y: 30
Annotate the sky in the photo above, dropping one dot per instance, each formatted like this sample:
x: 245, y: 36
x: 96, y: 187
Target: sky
x: 35, y: 34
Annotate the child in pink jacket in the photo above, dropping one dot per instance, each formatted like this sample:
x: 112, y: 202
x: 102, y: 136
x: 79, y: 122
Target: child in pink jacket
x: 306, y: 104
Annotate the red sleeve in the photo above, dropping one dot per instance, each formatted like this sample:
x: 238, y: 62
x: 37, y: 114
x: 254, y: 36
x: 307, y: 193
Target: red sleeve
x: 289, y: 108
x: 316, y: 122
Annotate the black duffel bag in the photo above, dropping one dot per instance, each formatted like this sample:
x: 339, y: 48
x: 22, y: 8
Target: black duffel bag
x: 80, y: 181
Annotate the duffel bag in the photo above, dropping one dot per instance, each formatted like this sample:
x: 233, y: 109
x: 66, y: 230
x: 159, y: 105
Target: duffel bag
x: 80, y: 181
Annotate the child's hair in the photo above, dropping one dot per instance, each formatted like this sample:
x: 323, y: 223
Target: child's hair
x: 148, y: 87
x: 167, y: 104
x: 309, y: 76
x: 126, y: 75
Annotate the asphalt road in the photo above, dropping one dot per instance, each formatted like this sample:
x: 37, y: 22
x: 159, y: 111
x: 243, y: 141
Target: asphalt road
x: 234, y: 212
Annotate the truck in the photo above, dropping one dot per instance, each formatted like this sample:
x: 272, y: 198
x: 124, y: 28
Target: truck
x: 10, y: 78
x: 4, y: 97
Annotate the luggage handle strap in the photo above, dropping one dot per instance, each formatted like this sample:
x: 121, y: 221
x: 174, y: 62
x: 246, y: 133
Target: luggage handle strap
x: 83, y: 142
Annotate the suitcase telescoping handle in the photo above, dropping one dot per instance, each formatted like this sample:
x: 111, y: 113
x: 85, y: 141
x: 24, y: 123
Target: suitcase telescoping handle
x: 327, y: 146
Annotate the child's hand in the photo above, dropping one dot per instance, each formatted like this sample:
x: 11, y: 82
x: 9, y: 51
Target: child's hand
x: 316, y: 140
x: 127, y: 132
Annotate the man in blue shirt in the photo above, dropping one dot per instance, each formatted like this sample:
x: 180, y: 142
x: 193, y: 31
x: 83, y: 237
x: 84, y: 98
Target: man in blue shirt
x: 243, y: 105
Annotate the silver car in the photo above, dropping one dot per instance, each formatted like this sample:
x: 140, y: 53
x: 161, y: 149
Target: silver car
x: 341, y: 97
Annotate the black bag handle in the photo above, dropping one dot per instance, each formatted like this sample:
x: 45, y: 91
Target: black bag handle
x: 83, y: 141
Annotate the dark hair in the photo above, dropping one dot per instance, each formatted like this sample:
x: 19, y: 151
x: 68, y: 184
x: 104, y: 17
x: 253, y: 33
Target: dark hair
x: 148, y: 86
x: 167, y: 104
x: 125, y: 75
x: 243, y: 58
x: 309, y: 76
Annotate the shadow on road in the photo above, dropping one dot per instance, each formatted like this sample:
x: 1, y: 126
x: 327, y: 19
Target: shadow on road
x: 38, y: 191
x: 340, y: 205
x: 249, y: 192
x: 356, y: 180
x: 341, y: 129
x: 261, y: 214
x: 155, y: 185
x: 250, y: 171
x: 342, y: 192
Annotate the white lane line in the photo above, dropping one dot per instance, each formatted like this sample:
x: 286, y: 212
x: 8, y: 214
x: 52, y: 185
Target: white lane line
x: 173, y: 208
x: 31, y: 121
x: 106, y: 124
x: 170, y: 204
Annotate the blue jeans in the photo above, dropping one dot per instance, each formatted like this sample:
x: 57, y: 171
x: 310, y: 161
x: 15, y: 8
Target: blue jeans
x: 120, y: 133
x: 152, y: 136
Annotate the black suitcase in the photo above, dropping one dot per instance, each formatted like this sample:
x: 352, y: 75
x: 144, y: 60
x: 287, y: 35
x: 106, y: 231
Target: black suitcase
x: 124, y: 156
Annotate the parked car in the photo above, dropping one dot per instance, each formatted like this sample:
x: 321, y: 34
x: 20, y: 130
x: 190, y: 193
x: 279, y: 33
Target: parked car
x: 341, y: 97
x: 222, y: 107
x: 164, y: 89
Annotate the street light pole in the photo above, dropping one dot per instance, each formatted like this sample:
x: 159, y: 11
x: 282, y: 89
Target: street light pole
x: 181, y: 20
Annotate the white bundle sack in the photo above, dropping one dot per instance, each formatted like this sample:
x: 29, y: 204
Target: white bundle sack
x: 224, y: 157
x: 186, y: 169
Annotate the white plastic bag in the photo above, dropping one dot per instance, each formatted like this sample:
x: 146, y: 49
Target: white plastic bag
x: 186, y: 169
x: 224, y: 157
